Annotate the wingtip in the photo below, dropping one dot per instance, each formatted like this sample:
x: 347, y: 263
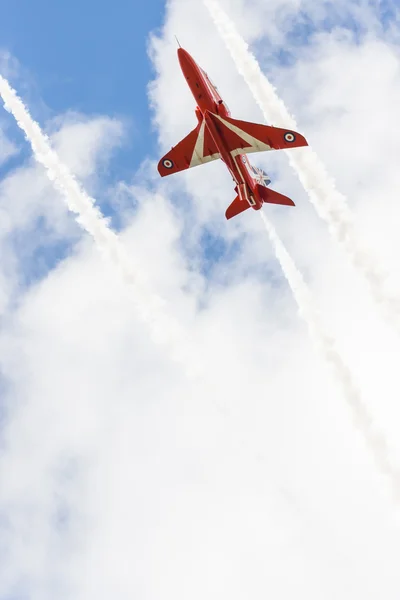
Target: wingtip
x: 305, y: 143
x: 161, y: 168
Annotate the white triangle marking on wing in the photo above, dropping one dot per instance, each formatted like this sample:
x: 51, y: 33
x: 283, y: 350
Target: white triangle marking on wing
x: 198, y: 151
x: 255, y: 145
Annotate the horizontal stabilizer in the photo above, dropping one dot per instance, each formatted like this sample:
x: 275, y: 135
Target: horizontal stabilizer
x: 272, y: 197
x: 237, y: 207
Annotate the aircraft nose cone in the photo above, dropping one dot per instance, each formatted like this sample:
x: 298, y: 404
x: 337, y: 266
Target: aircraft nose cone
x: 185, y: 60
x: 182, y: 52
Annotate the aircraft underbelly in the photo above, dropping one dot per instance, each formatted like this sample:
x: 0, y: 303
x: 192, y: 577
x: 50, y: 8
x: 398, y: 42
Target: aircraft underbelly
x: 219, y: 142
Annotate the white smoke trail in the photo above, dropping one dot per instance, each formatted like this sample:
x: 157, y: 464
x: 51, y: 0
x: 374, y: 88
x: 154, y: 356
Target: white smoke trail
x: 149, y: 306
x: 325, y: 345
x: 329, y: 203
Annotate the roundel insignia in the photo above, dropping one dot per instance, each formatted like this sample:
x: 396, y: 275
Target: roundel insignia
x: 168, y: 164
x: 289, y: 137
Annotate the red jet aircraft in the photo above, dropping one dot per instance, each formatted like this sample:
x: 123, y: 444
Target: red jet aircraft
x: 217, y: 135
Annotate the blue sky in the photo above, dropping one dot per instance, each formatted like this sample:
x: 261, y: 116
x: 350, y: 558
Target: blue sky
x: 87, y: 56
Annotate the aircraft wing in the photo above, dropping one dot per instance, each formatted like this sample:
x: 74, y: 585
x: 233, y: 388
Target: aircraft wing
x: 245, y: 137
x: 195, y: 149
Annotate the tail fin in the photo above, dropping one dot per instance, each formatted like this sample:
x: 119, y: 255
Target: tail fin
x: 272, y: 197
x: 236, y: 207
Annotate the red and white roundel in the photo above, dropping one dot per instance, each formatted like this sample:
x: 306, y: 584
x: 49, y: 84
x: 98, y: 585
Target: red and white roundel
x: 289, y: 137
x: 168, y: 164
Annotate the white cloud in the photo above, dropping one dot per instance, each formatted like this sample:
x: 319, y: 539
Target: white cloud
x: 33, y: 215
x: 102, y: 135
x: 247, y: 480
x: 7, y: 148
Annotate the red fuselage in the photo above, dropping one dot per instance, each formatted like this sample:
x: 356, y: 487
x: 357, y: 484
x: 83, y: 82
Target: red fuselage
x: 210, y: 102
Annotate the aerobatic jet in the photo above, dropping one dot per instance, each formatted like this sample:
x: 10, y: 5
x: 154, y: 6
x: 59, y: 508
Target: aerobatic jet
x: 217, y: 135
